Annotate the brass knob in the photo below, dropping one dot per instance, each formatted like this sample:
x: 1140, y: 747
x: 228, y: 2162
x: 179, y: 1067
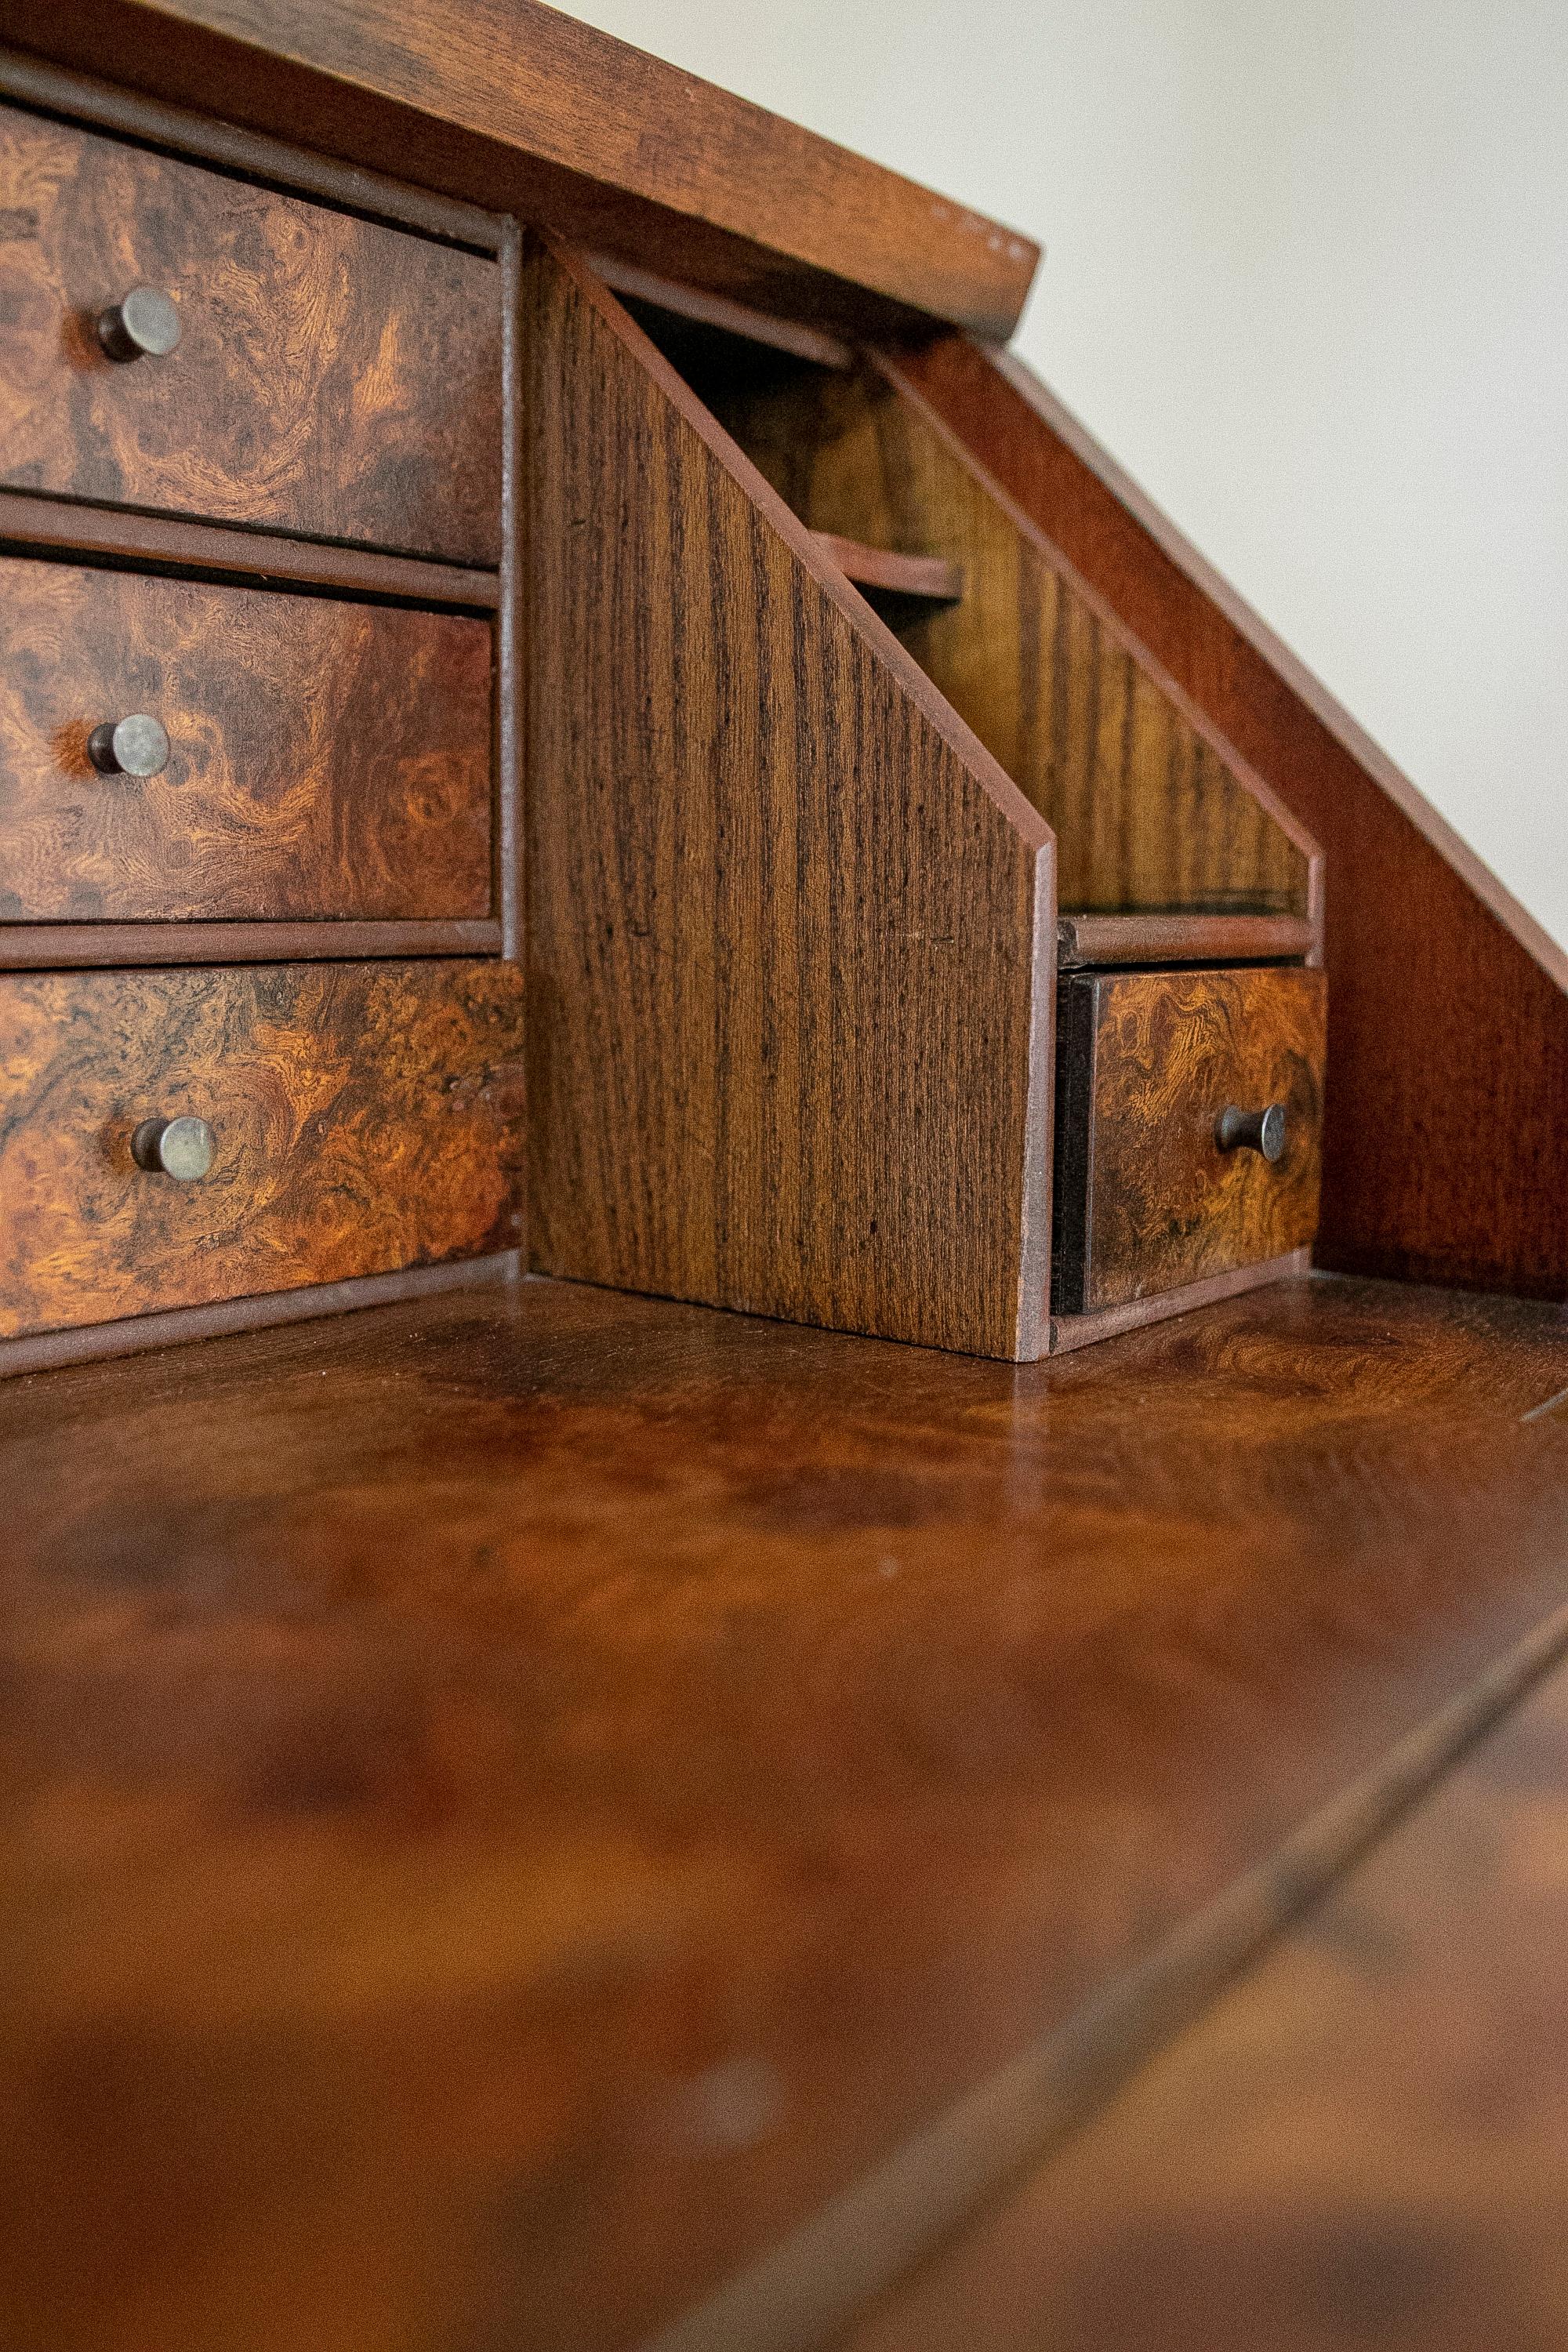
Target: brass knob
x: 144, y: 325
x: 136, y: 746
x: 1252, y: 1130
x: 181, y: 1148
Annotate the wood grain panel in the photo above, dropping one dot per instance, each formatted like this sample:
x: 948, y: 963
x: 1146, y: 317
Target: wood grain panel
x: 1363, y: 2143
x: 1444, y: 991
x: 1149, y: 808
x: 520, y: 1803
x: 333, y: 378
x: 1145, y: 1199
x: 327, y: 759
x: 521, y: 108
x: 367, y: 1118
x: 790, y: 932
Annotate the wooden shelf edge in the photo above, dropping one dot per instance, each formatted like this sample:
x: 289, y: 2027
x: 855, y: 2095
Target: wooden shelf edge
x: 1182, y: 939
x: 71, y: 947
x: 931, y: 576
x: 1070, y: 1331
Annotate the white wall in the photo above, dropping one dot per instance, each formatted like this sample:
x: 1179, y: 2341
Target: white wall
x: 1307, y: 276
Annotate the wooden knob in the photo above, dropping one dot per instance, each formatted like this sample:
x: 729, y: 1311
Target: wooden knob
x: 145, y: 325
x: 136, y: 746
x: 181, y: 1148
x: 1252, y: 1130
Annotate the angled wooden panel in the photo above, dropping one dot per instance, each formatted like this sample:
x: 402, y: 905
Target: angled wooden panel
x: 1446, y: 1113
x: 790, y: 929
x: 1150, y: 807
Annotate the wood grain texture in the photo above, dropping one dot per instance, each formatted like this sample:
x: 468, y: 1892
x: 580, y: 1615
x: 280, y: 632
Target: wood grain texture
x: 1183, y: 939
x: 1364, y: 2143
x: 367, y: 1119
x: 1149, y: 808
x: 1146, y: 1063
x: 1444, y: 992
x: 517, y: 1802
x: 327, y: 759
x: 790, y: 930
x: 334, y: 378
x: 63, y: 947
x: 518, y: 107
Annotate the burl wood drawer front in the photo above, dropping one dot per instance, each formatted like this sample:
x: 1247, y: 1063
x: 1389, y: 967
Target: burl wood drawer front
x: 1148, y: 1195
x: 332, y: 378
x: 325, y: 760
x: 363, y: 1117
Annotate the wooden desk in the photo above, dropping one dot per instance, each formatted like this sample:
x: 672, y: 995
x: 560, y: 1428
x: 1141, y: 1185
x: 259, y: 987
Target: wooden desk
x: 533, y: 1809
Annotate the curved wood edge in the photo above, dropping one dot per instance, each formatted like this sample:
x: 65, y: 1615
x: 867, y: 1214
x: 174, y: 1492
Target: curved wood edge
x: 1447, y: 1095
x: 518, y: 107
x: 931, y: 576
x: 902, y: 372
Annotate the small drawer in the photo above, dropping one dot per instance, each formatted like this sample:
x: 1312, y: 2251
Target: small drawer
x: 1154, y: 1187
x: 332, y: 378
x: 319, y: 760
x: 360, y: 1119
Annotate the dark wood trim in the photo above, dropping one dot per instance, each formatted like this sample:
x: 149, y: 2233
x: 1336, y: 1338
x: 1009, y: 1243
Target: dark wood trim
x: 1182, y: 939
x: 511, y: 733
x: 69, y: 947
x: 38, y: 525
x: 521, y: 108
x: 802, y: 342
x: 931, y: 576
x: 1448, y: 1097
x: 185, y: 132
x: 49, y: 1351
x: 1069, y: 1331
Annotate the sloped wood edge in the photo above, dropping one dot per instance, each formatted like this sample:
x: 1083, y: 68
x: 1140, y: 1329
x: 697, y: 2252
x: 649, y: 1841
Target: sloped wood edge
x: 1024, y: 1233
x: 1447, y: 1112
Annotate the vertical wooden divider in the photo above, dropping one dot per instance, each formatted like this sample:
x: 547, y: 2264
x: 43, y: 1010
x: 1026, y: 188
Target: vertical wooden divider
x: 790, y: 929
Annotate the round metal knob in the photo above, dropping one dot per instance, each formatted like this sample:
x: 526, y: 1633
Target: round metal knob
x: 145, y: 325
x: 1252, y: 1130
x: 181, y: 1148
x: 137, y: 746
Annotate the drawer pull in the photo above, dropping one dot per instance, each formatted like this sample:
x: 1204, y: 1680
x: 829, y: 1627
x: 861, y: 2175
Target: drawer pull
x: 136, y: 746
x: 145, y: 325
x: 181, y: 1148
x: 1252, y: 1130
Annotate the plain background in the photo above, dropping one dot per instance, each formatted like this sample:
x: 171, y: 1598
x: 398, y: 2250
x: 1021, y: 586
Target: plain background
x: 1307, y: 278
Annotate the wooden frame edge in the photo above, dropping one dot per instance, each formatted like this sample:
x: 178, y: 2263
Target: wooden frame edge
x: 1070, y: 1331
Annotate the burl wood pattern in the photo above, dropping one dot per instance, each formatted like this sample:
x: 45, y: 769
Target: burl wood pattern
x: 333, y: 378
x: 1444, y: 992
x: 1147, y: 1061
x: 1364, y: 2144
x: 1147, y: 806
x: 516, y: 1802
x: 327, y: 759
x: 788, y: 929
x: 368, y: 1118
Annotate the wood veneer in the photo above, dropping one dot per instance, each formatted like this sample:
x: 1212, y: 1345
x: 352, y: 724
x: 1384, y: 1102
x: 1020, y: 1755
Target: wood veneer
x: 327, y: 759
x: 1449, y: 1025
x: 789, y: 932
x: 334, y: 377
x: 1147, y: 1063
x: 367, y: 1119
x: 533, y: 1811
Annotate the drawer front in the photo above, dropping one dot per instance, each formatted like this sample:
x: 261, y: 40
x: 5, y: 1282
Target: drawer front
x: 364, y: 1118
x: 1148, y: 1063
x: 325, y: 760
x: 332, y: 378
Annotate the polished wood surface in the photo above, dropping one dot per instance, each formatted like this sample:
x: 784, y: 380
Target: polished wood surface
x: 519, y: 107
x: 334, y: 378
x: 1183, y: 939
x: 789, y: 929
x: 1448, y: 1022
x: 517, y: 1802
x: 367, y: 1118
x: 1070, y: 1331
x: 1147, y: 1063
x: 1364, y: 2143
x: 327, y: 759
x: 1150, y: 810
x: 78, y: 947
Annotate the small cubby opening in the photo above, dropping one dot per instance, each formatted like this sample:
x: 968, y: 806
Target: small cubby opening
x: 1150, y: 817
